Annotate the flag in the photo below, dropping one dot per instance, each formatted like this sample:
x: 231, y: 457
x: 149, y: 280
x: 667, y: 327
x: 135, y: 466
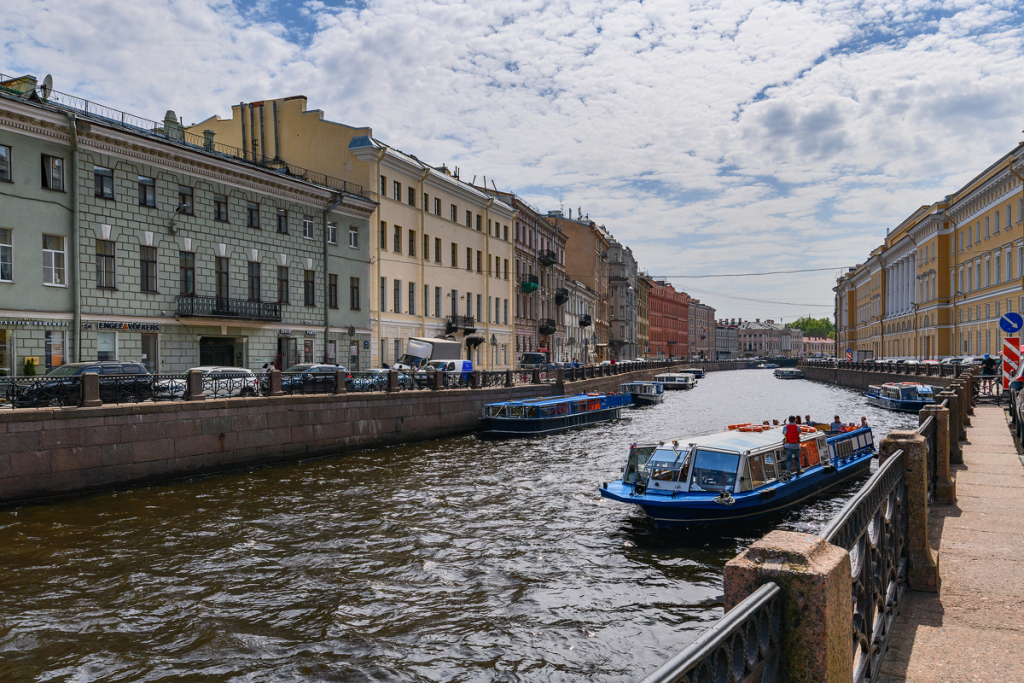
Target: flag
x: 849, y: 355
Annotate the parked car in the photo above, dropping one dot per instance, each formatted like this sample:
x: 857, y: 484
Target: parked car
x: 376, y: 379
x: 309, y: 378
x: 218, y: 382
x: 120, y: 382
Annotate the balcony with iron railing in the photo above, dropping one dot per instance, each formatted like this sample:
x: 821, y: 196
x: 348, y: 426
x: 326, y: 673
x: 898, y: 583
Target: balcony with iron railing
x: 547, y: 257
x: 531, y: 283
x: 561, y: 296
x: 586, y: 320
x: 466, y: 323
x: 191, y: 305
x: 547, y: 326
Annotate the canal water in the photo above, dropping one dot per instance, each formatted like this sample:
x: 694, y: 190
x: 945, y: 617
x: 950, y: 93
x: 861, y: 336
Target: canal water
x: 454, y: 560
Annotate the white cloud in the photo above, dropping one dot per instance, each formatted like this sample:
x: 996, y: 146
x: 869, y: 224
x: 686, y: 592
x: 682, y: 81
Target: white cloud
x: 721, y: 136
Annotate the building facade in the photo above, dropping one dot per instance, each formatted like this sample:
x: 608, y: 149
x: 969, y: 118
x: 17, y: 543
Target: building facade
x: 769, y: 339
x: 819, y: 347
x: 727, y: 340
x: 701, y: 330
x: 579, y: 322
x: 586, y: 261
x: 142, y: 243
x: 623, y: 311
x: 442, y: 252
x: 643, y: 322
x: 669, y: 313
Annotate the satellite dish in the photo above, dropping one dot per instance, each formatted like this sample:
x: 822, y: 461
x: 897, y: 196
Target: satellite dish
x: 47, y: 87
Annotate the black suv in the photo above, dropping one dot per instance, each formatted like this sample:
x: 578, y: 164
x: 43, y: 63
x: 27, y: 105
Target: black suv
x: 312, y: 378
x: 120, y: 382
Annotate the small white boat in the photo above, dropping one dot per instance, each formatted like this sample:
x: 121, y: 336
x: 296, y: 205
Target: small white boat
x: 645, y: 393
x: 676, y: 380
x: 789, y: 373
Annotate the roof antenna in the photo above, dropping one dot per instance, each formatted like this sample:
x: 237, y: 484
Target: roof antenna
x: 474, y: 180
x: 494, y: 186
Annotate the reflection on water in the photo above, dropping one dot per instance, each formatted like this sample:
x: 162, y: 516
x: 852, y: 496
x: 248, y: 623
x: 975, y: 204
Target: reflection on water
x: 455, y: 560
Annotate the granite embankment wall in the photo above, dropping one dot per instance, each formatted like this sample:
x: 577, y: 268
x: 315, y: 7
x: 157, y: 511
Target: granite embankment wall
x: 47, y: 452
x: 861, y: 379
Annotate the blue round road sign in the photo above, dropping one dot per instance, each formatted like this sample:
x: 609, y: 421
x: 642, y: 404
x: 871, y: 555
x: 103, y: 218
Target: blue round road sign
x: 1011, y: 322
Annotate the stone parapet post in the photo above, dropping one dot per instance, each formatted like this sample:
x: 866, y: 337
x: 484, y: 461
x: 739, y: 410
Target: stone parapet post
x: 956, y: 432
x: 508, y: 379
x: 91, y: 390
x: 969, y: 381
x: 945, y: 485
x: 924, y: 565
x: 339, y: 381
x: 275, y: 383
x: 816, y: 599
x: 392, y: 380
x: 477, y: 379
x: 438, y: 380
x: 536, y: 376
x: 194, y: 386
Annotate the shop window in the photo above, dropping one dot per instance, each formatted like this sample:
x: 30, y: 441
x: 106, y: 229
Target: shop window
x: 151, y: 353
x: 106, y: 346
x: 54, y: 272
x: 55, y: 346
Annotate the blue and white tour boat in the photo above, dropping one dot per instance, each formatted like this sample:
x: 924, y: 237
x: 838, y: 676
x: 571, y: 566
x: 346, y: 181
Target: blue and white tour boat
x: 698, y: 373
x: 906, y: 397
x: 789, y: 373
x: 645, y: 393
x: 735, y: 475
x: 551, y: 414
x: 676, y: 380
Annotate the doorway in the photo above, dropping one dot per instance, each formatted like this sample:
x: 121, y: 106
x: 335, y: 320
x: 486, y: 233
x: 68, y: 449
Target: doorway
x: 150, y: 353
x: 217, y: 351
x: 287, y: 352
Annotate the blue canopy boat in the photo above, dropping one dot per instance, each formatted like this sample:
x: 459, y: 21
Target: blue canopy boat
x: 906, y: 397
x: 551, y: 414
x: 736, y: 475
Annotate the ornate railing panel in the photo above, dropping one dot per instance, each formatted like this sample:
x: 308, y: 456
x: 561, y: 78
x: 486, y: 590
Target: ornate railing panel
x: 927, y: 430
x: 742, y: 647
x: 307, y: 382
x: 495, y: 379
x: 220, y: 307
x: 369, y: 381
x: 872, y: 526
x: 34, y: 392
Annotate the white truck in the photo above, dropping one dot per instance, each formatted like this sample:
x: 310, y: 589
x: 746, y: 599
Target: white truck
x: 419, y: 351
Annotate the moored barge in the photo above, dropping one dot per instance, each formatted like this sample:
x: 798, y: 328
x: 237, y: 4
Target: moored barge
x: 531, y: 417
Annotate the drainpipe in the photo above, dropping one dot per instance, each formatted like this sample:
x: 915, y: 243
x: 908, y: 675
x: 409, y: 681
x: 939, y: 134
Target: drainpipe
x: 487, y: 288
x: 76, y: 288
x: 423, y: 249
x: 327, y: 278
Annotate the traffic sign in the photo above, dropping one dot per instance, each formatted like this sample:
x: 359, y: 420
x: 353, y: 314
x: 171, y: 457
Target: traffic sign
x: 1011, y: 359
x: 1011, y: 323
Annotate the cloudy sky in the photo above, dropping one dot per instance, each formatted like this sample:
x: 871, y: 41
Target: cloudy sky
x: 712, y: 137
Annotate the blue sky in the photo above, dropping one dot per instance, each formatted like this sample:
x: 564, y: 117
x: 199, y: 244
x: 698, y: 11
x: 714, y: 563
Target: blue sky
x: 712, y: 137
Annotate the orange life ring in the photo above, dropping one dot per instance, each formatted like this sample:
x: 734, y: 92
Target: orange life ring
x: 745, y: 428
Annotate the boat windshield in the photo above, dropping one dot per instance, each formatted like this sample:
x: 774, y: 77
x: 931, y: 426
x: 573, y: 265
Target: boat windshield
x: 714, y: 471
x: 665, y: 464
x: 639, y: 456
x: 909, y: 393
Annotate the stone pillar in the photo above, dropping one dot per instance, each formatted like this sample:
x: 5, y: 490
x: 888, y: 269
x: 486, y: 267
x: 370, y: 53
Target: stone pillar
x: 945, y: 485
x: 924, y: 566
x: 536, y: 376
x: 477, y: 379
x: 508, y: 379
x: 956, y: 456
x: 438, y: 380
x: 194, y: 386
x: 275, y: 383
x: 339, y: 381
x: 968, y: 397
x: 392, y: 380
x: 560, y: 381
x: 816, y: 601
x: 91, y: 390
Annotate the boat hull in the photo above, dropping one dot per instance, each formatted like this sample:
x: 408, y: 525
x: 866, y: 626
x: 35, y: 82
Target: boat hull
x: 647, y: 399
x: 666, y: 511
x: 675, y: 386
x: 899, y: 406
x: 498, y: 426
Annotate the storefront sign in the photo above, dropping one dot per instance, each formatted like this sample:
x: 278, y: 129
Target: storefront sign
x: 284, y: 333
x: 37, y: 323
x: 310, y: 333
x: 143, y: 327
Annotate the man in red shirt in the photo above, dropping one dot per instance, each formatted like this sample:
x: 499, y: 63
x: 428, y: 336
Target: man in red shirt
x: 791, y: 432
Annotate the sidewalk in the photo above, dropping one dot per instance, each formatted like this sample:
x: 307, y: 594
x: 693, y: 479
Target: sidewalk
x: 973, y: 629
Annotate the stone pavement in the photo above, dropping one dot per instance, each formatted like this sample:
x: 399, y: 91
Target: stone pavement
x: 973, y: 628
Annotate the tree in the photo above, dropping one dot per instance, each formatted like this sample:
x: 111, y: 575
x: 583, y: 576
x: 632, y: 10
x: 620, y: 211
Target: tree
x: 815, y: 327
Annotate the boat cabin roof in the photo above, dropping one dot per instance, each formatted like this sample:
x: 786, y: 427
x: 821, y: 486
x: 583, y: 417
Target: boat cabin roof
x: 675, y: 375
x: 736, y: 441
x: 549, y: 400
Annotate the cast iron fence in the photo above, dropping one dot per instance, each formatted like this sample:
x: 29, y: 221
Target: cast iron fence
x: 221, y: 307
x: 873, y: 527
x: 35, y: 392
x: 307, y: 382
x: 369, y: 381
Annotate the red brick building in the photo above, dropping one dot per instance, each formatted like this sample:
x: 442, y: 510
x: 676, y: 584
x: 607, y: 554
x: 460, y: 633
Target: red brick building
x: 669, y: 313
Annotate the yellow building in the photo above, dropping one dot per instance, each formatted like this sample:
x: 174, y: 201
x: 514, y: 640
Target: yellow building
x: 940, y: 281
x: 442, y: 248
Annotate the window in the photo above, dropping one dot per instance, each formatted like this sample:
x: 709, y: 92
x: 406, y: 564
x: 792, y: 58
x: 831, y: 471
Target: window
x: 469, y: 259
x: 469, y: 219
x: 506, y: 234
x: 383, y: 294
x: 412, y: 243
x: 53, y: 173
x: 398, y: 296
x: 383, y: 235
x: 455, y: 302
x: 220, y: 208
x: 479, y: 222
x: 223, y: 278
x: 426, y: 246
x: 105, y: 264
x: 53, y: 261
x: 309, y: 287
x: 255, y: 281
x: 426, y: 300
x: 437, y: 302
x: 986, y: 227
x: 6, y: 257
x: 147, y: 268
x: 506, y: 269
x: 479, y: 262
x: 353, y: 293
x: 397, y: 242
x: 282, y: 284
x: 426, y: 201
x: 383, y: 186
x: 353, y: 236
x: 998, y: 271
x: 307, y: 227
x: 455, y: 255
x: 505, y: 316
x: 480, y: 307
x: 437, y: 250
x: 412, y: 298
x: 412, y: 196
x: 185, y: 203
x: 332, y: 233
x: 186, y: 272
x: 252, y: 215
x: 103, y: 182
x: 332, y: 291
x: 455, y: 214
x: 5, y: 163
x: 106, y: 346
x: 282, y: 221
x: 398, y: 191
x: 996, y: 230
x: 437, y: 206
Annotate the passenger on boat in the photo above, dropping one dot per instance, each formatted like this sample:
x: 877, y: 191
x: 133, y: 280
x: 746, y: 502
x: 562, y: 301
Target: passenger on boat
x: 792, y: 437
x: 863, y: 422
x: 836, y: 424
x: 807, y: 420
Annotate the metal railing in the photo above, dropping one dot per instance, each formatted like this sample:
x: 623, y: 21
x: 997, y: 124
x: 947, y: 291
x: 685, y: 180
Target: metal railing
x: 368, y: 381
x: 917, y: 369
x: 744, y: 645
x: 307, y: 383
x: 37, y: 392
x: 494, y: 379
x: 221, y: 307
x: 873, y: 527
